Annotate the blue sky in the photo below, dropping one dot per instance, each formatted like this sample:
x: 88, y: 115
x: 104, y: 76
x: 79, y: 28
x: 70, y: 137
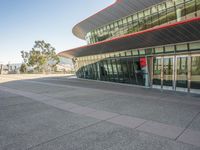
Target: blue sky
x: 24, y: 21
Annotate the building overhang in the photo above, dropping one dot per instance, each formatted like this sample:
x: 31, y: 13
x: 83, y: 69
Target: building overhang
x: 183, y: 31
x: 119, y: 9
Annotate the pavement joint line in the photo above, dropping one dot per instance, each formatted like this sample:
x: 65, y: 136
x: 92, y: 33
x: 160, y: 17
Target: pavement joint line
x: 141, y: 124
x: 161, y: 129
x: 32, y: 96
x: 158, y: 98
x: 188, y: 125
x: 53, y: 139
x: 190, y: 137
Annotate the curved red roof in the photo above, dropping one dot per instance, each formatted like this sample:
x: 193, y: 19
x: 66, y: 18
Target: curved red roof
x: 119, y: 9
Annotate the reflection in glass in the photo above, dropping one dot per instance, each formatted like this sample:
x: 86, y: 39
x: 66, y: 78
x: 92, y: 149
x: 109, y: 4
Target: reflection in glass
x: 168, y: 71
x: 124, y: 70
x: 182, y: 72
x: 140, y: 67
x: 157, y: 67
x: 195, y: 72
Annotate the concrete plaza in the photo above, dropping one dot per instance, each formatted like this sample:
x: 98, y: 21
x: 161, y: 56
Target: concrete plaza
x: 64, y: 113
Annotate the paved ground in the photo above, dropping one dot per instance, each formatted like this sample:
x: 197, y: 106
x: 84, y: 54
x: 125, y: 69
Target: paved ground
x: 64, y: 113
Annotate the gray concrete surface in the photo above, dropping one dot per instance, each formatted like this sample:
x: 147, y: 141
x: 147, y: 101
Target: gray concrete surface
x: 63, y: 113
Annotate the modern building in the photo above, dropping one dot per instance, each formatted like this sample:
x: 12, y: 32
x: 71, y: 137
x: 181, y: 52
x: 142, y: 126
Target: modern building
x: 152, y: 43
x: 10, y: 68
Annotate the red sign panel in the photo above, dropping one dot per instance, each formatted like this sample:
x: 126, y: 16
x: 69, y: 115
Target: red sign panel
x: 143, y: 62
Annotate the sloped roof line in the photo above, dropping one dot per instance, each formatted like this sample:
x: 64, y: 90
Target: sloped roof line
x: 115, y: 11
x: 192, y: 33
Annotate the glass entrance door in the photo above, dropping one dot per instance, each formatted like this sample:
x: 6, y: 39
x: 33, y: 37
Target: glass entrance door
x: 163, y: 72
x: 182, y: 73
x: 157, y: 70
x: 195, y: 74
x: 168, y: 72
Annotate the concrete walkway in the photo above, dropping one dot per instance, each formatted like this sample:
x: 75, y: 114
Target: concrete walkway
x: 66, y: 113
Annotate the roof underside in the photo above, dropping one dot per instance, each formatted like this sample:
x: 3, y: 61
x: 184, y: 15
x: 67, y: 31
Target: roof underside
x: 119, y: 9
x: 184, y: 31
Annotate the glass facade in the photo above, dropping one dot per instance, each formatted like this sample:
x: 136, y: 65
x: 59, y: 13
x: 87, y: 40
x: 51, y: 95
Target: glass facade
x: 169, y: 11
x: 174, y: 67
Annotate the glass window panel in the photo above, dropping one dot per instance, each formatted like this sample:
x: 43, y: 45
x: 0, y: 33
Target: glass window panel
x: 190, y: 7
x: 182, y: 72
x: 198, y: 4
x: 112, y: 26
x: 124, y: 68
x: 181, y: 47
x: 195, y: 72
x: 169, y: 48
x: 196, y: 65
x: 170, y: 3
x: 163, y: 17
x: 141, y: 14
x: 140, y: 68
x: 120, y: 22
x: 161, y: 7
x: 147, y: 12
x: 154, y: 9
x: 128, y: 53
x: 148, y: 51
x: 180, y: 11
x: 129, y: 19
x: 114, y: 66
x: 167, y: 71
x: 108, y: 27
x: 141, y: 24
x: 157, y: 67
x: 155, y: 19
x: 142, y: 52
x: 120, y: 70
x: 135, y: 52
x: 195, y: 45
x: 148, y: 22
x: 134, y: 27
x: 177, y: 2
x: 116, y: 25
x: 113, y: 54
x: 103, y: 56
x: 122, y: 53
x: 135, y: 17
x: 159, y: 50
x: 124, y: 21
x: 171, y: 14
